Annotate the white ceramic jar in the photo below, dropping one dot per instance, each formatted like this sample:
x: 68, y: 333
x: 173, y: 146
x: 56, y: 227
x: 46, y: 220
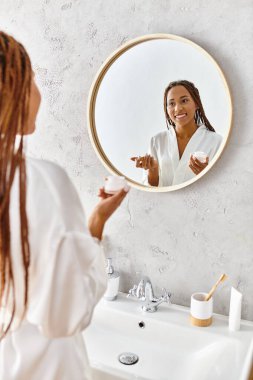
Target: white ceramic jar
x: 201, y: 156
x: 114, y: 184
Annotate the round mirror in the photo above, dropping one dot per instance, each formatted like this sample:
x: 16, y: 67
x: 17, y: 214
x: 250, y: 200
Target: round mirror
x: 160, y: 112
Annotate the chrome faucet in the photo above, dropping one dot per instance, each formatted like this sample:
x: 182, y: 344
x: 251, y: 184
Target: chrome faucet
x: 152, y: 306
x: 144, y: 292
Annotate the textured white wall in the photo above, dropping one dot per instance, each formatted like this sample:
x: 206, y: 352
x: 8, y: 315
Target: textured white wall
x: 183, y: 240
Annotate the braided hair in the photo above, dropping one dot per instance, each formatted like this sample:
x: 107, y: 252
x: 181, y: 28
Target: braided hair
x: 200, y: 116
x: 15, y: 84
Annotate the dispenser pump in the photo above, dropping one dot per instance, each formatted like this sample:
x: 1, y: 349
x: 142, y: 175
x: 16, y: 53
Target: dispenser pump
x: 113, y: 281
x: 109, y: 266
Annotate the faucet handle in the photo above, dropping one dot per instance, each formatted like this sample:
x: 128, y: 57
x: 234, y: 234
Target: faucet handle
x: 132, y: 291
x: 166, y: 295
x: 140, y: 290
x: 153, y: 305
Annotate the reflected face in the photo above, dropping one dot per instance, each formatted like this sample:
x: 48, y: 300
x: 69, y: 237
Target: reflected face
x: 181, y: 106
x: 35, y: 99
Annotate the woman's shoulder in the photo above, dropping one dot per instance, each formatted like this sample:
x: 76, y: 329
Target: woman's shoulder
x: 50, y: 182
x: 48, y: 175
x: 216, y: 137
x: 160, y: 136
x: 213, y: 134
x: 45, y: 167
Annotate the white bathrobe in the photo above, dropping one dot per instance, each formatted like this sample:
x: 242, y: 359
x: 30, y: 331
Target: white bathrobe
x: 172, y: 169
x: 67, y: 278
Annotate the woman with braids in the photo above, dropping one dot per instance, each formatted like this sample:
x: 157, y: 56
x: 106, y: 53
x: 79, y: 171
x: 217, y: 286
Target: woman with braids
x: 51, y: 266
x: 170, y: 160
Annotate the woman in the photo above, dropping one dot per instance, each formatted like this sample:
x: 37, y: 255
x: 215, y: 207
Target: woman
x: 51, y: 265
x: 171, y: 160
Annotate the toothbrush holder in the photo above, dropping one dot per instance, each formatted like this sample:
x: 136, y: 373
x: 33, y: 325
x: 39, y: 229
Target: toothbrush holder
x: 201, y: 310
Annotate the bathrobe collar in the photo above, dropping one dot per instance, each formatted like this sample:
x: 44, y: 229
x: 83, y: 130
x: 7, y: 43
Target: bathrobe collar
x: 180, y: 165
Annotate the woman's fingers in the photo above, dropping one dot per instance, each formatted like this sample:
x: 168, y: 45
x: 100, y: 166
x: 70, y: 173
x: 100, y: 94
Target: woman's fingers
x: 118, y: 195
x: 138, y: 161
x: 145, y: 165
x: 146, y: 162
x: 193, y: 169
x: 196, y: 163
x: 143, y: 162
x: 102, y: 194
x: 200, y: 164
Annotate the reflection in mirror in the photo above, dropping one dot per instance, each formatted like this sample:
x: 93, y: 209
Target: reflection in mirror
x: 173, y: 155
x: 160, y: 112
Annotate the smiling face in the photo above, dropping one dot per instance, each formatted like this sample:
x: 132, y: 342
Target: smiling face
x: 181, y: 106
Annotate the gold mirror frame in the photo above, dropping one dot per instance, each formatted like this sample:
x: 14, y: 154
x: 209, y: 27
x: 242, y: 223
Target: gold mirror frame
x: 92, y: 103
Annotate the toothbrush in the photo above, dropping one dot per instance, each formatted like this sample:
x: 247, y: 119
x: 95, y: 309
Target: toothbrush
x: 222, y: 278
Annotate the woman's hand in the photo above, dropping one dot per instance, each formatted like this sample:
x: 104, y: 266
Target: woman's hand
x: 146, y: 162
x: 104, y: 209
x: 109, y: 203
x: 196, y: 165
x: 149, y: 163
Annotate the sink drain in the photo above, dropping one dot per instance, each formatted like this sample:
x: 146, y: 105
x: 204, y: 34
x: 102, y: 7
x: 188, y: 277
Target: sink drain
x: 128, y: 358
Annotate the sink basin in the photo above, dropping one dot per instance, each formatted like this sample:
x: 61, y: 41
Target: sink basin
x: 168, y: 347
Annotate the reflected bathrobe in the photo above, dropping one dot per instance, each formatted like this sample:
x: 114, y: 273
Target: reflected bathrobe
x: 67, y: 278
x: 164, y: 148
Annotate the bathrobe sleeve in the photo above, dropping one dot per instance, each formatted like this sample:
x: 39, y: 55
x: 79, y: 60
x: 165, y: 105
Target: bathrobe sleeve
x: 70, y: 287
x: 67, y: 276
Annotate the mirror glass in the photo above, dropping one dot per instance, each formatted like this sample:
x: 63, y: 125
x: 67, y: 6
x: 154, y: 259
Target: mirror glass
x: 160, y: 112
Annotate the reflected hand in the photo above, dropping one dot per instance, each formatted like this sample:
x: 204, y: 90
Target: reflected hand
x: 196, y: 165
x: 104, y: 209
x: 146, y: 162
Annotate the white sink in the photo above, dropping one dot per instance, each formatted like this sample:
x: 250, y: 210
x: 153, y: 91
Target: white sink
x: 168, y: 347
